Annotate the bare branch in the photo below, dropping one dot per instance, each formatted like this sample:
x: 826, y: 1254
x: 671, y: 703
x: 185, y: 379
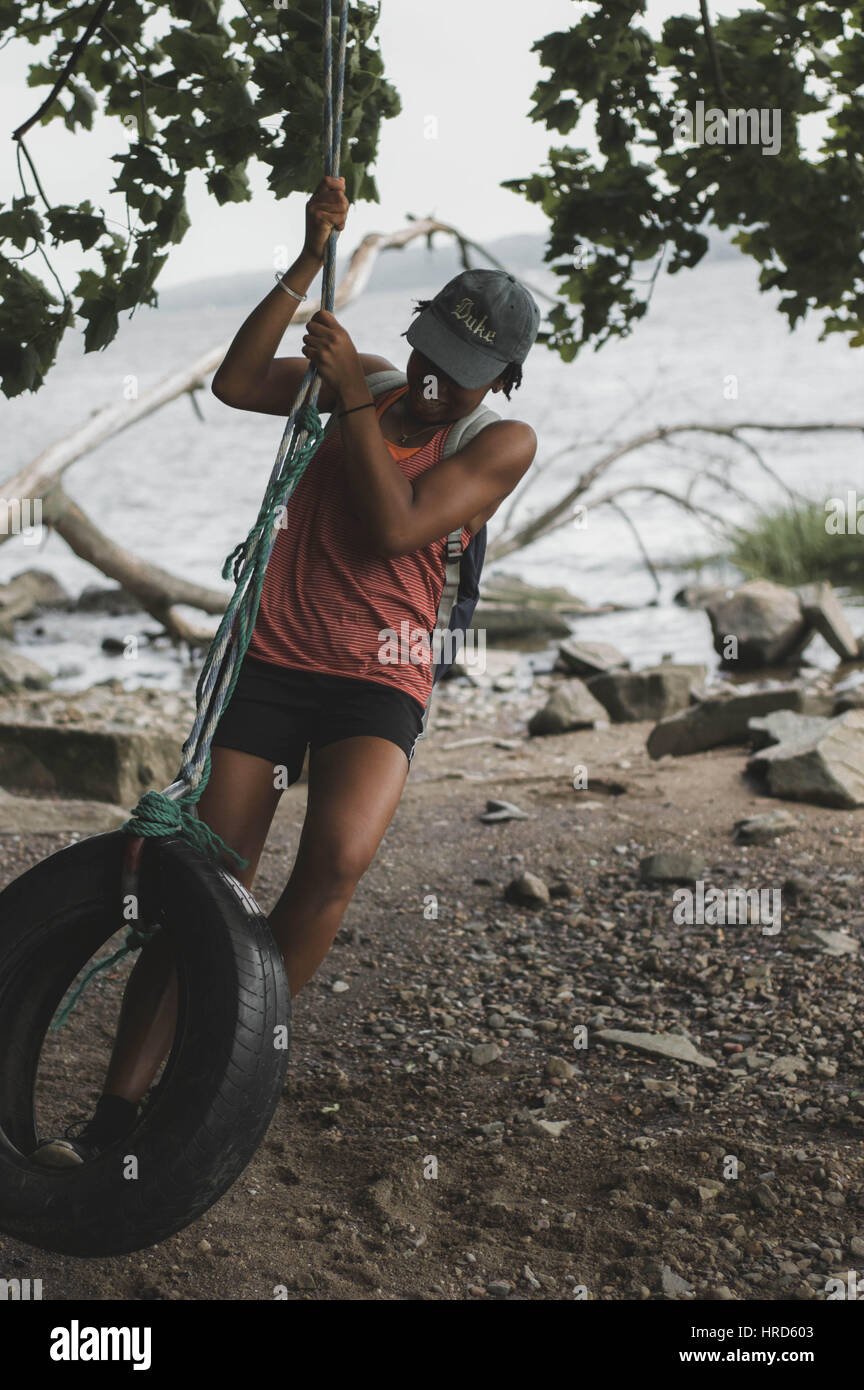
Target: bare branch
x: 562, y: 511
x: 640, y: 543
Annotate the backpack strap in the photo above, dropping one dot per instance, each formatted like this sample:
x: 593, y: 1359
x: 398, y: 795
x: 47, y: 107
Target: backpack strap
x: 379, y: 382
x: 457, y: 437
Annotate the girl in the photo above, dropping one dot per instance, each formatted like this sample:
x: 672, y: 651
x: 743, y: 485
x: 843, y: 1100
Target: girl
x: 362, y: 550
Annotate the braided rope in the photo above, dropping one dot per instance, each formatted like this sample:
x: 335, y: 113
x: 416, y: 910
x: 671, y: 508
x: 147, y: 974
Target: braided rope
x: 173, y: 811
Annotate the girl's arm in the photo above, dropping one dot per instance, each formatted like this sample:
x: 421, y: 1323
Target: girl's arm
x: 400, y: 516
x: 249, y: 378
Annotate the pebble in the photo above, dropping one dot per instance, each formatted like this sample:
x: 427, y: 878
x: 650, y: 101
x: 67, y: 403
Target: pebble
x: 485, y: 1053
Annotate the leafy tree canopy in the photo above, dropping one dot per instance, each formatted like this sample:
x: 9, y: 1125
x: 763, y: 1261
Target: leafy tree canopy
x: 650, y: 194
x: 195, y: 90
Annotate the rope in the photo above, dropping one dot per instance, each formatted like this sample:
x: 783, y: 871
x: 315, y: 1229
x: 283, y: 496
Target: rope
x: 173, y: 811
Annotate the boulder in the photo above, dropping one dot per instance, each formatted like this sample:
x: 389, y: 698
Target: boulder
x: 824, y: 613
x: 504, y: 625
x: 18, y: 672
x: 96, y: 763
x: 589, y: 658
x: 27, y: 592
x: 571, y: 706
x: 715, y: 722
x: 767, y: 620
x: 784, y: 724
x: 654, y: 693
x: 825, y: 767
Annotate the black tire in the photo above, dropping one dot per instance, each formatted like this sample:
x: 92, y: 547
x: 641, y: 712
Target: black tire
x: 226, y: 1069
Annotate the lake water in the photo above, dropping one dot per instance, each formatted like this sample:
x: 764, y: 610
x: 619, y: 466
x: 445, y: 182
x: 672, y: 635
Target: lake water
x: 182, y: 493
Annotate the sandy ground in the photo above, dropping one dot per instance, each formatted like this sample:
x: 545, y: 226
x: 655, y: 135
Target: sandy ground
x: 401, y: 1163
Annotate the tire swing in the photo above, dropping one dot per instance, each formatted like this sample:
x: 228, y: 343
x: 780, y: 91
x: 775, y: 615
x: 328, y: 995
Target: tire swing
x: 227, y: 1065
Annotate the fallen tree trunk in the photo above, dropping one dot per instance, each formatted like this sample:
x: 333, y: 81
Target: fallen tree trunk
x: 157, y: 590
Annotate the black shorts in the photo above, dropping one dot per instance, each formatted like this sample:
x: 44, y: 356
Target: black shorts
x: 275, y: 712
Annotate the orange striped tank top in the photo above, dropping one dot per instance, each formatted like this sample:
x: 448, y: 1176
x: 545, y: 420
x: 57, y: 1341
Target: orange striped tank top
x: 329, y: 603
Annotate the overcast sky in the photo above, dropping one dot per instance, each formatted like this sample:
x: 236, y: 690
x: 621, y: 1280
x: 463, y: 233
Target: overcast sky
x: 466, y: 62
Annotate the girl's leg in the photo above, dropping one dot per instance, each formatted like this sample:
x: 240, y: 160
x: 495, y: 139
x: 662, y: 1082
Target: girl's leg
x: 239, y: 803
x: 354, y: 788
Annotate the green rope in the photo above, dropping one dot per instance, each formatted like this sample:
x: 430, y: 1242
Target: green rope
x: 157, y: 814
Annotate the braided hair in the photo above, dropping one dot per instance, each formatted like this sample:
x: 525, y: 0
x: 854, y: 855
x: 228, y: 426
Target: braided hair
x: 511, y: 377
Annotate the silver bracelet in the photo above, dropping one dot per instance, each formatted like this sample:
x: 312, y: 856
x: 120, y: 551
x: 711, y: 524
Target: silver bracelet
x: 287, y: 288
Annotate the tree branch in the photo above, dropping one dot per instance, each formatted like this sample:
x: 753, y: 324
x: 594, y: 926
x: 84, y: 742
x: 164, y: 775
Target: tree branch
x: 562, y: 512
x: 71, y: 62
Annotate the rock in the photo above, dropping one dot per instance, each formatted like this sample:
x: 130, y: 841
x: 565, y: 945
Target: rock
x: 114, y: 602
x: 554, y: 1128
x: 823, y: 611
x: 527, y: 891
x: 340, y: 986
x: 558, y: 1066
x: 763, y: 830
x: 671, y: 866
x: 673, y: 1045
x: 25, y: 594
x: 18, y: 672
x: 484, y: 1053
x: 856, y: 1245
x: 697, y: 595
x: 826, y: 767
x: 763, y: 1198
x: 37, y: 815
x: 589, y: 658
x: 784, y: 724
x: 96, y: 763
x: 503, y: 624
x: 501, y: 811
x: 570, y: 707
x: 832, y: 943
x: 713, y: 723
x: 789, y: 1068
x: 509, y: 588
x: 499, y: 1288
x: 498, y: 665
x: 849, y: 699
x: 654, y: 693
x: 767, y: 620
x: 672, y: 1284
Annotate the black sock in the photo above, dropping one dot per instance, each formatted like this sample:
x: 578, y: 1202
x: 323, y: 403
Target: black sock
x: 114, y: 1116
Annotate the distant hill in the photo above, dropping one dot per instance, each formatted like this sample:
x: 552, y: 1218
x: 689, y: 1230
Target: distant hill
x: 401, y: 270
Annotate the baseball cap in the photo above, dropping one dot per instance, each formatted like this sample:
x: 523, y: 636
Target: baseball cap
x: 480, y: 322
